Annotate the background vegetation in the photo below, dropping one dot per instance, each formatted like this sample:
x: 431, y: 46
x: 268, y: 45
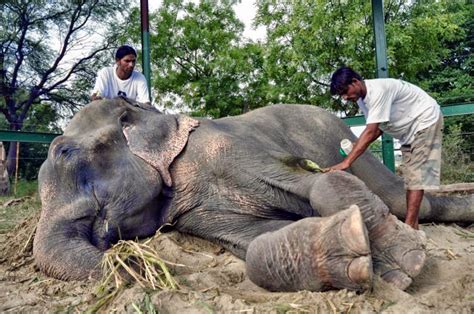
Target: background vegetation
x: 202, y: 64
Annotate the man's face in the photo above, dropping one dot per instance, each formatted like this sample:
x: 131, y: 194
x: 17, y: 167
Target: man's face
x: 354, y: 91
x: 126, y: 65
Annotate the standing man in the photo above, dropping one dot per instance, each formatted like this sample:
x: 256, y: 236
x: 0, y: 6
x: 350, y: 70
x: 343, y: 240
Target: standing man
x: 121, y: 79
x: 406, y: 112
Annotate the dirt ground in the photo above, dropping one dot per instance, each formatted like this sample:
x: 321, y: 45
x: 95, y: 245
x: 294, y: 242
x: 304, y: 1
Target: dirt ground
x: 212, y: 280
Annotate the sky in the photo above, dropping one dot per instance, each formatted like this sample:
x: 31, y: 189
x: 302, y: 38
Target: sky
x: 245, y: 11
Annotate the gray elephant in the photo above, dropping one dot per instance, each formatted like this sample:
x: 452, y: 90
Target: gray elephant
x: 249, y: 183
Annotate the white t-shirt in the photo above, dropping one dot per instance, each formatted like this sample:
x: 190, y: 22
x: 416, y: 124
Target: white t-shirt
x: 401, y: 108
x: 109, y: 85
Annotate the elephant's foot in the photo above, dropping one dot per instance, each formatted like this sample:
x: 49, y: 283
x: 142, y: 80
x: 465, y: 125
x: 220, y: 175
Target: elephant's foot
x: 313, y: 254
x: 398, y: 251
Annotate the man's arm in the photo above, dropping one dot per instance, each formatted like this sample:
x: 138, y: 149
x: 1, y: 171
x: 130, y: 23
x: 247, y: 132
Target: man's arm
x: 370, y: 134
x: 99, y: 87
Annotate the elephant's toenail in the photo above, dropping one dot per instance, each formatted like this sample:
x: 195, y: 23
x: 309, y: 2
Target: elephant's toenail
x: 397, y: 278
x: 359, y: 271
x: 354, y: 233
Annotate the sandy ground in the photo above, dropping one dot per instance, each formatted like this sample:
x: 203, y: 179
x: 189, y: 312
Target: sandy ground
x: 213, y: 281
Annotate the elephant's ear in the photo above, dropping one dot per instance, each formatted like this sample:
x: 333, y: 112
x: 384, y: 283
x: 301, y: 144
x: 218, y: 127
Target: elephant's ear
x: 157, y: 138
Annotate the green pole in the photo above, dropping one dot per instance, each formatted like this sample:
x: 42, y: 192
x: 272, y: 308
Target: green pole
x: 382, y: 72
x: 145, y: 43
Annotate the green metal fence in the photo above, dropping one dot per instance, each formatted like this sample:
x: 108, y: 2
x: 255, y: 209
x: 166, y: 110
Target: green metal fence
x: 27, y: 137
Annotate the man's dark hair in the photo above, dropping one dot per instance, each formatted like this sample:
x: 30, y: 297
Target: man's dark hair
x: 123, y: 51
x: 341, y: 79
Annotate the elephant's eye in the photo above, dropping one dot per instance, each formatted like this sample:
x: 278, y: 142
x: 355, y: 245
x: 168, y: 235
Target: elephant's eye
x: 83, y: 178
x: 65, y: 151
x: 125, y: 120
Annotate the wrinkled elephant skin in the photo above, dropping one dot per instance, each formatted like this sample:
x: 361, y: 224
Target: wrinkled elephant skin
x: 122, y: 169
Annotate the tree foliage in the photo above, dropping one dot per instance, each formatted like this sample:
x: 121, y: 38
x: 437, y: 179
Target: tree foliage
x: 308, y: 40
x: 200, y: 60
x: 451, y: 80
x: 198, y: 56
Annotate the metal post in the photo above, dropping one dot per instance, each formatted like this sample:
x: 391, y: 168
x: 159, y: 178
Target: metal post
x: 382, y: 72
x: 145, y: 43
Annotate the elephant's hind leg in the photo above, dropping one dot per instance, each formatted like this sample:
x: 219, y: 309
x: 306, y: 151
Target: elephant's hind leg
x: 397, y: 249
x: 314, y: 254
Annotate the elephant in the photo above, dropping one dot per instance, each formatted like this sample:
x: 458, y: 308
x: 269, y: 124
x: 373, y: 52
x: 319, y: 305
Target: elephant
x: 250, y: 183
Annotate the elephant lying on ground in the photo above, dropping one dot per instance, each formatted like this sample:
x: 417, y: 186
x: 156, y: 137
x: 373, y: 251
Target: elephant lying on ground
x: 250, y: 183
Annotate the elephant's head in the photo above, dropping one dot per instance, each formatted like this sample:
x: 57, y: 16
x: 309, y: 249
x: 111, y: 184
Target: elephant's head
x: 103, y: 181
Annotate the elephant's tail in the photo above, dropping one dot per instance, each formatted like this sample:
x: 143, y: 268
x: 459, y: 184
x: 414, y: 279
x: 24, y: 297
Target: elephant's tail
x: 449, y: 208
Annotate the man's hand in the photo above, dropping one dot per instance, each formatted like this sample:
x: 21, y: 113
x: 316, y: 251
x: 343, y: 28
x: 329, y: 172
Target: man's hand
x: 369, y: 135
x: 95, y: 96
x: 340, y: 166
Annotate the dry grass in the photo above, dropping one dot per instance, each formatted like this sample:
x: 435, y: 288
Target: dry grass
x: 130, y: 259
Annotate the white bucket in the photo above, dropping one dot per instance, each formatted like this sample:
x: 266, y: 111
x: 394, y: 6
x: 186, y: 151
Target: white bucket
x: 346, y: 147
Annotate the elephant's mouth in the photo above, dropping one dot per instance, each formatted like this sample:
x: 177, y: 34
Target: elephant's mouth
x: 123, y: 221
x: 132, y: 203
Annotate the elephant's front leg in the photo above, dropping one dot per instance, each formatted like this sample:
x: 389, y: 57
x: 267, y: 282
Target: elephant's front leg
x: 314, y: 254
x: 397, y: 249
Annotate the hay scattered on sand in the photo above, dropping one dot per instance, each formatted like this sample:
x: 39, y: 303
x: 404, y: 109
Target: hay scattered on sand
x: 139, y: 261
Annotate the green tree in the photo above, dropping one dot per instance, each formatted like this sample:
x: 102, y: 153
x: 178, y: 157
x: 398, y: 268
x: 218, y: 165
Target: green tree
x: 308, y: 40
x: 188, y: 47
x: 199, y: 63
x: 45, y: 46
x: 452, y: 80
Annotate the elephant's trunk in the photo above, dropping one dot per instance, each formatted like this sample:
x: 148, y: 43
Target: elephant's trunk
x: 65, y: 258
x: 62, y: 246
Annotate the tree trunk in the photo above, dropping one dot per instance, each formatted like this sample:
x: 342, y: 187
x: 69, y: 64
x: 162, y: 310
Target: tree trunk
x: 11, y: 158
x: 4, y: 181
x: 16, y: 124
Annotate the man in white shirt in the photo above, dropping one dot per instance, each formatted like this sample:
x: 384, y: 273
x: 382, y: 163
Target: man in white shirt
x: 121, y: 79
x: 406, y: 112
